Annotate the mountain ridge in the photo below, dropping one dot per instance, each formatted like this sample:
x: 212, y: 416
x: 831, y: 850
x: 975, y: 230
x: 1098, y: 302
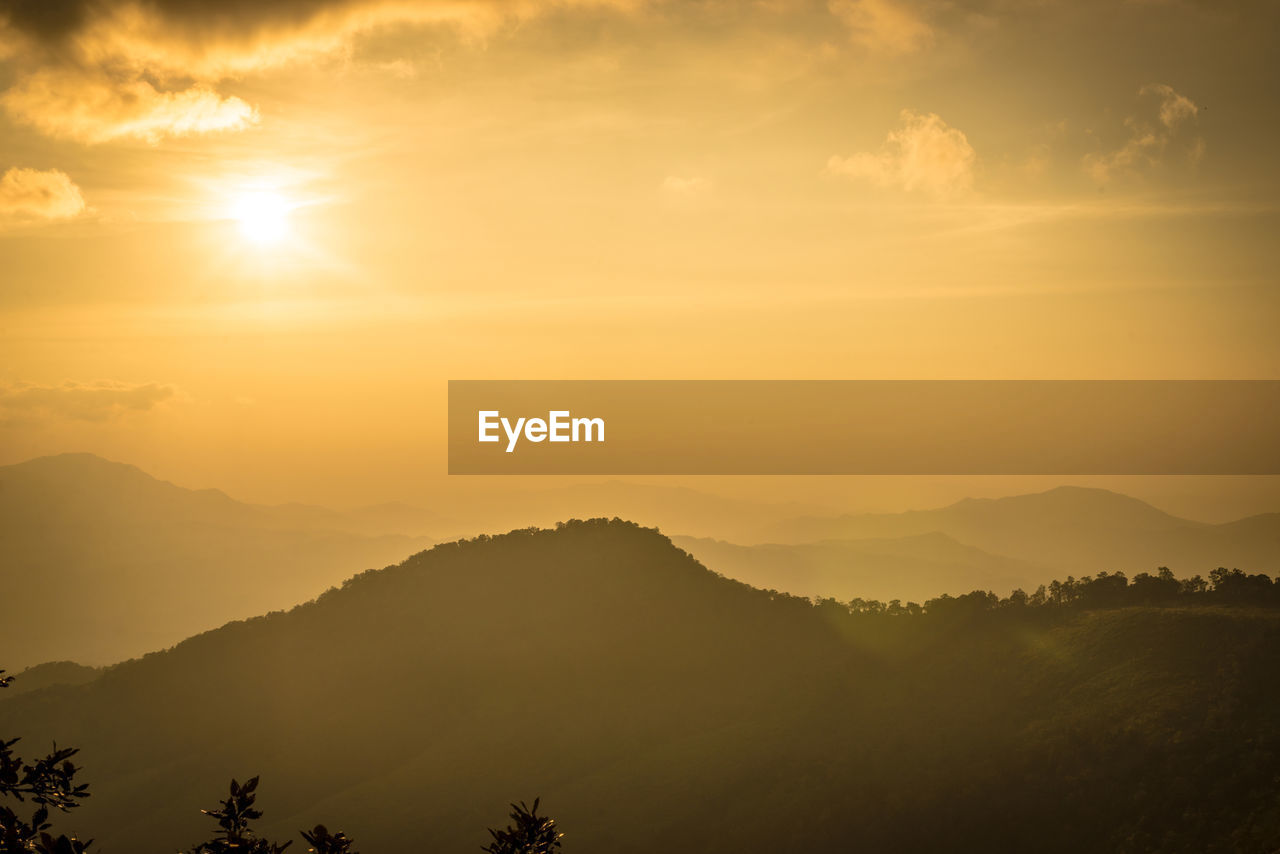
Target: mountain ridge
x: 113, y: 563
x: 1068, y: 530
x: 603, y: 668
x: 913, y: 567
x: 100, y: 533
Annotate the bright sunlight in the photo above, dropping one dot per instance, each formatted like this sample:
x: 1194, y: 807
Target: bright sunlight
x: 263, y: 216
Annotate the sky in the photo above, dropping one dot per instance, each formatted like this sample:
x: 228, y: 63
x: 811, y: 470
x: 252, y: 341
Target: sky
x: 245, y: 245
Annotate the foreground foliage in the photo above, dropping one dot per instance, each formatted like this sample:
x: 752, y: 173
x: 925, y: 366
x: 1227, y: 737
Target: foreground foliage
x: 50, y: 783
x: 47, y: 784
x: 529, y: 833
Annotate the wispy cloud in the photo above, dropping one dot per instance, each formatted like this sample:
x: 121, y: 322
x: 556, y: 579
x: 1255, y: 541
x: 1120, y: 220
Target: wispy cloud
x: 93, y: 401
x: 1150, y: 138
x: 33, y: 194
x: 92, y: 107
x: 886, y: 26
x: 925, y: 154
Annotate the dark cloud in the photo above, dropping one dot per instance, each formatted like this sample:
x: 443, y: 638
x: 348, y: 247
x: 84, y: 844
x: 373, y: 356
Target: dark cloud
x: 54, y: 20
x: 47, y: 20
x: 101, y: 70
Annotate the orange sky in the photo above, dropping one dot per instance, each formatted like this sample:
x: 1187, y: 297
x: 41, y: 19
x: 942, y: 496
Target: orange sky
x: 246, y: 244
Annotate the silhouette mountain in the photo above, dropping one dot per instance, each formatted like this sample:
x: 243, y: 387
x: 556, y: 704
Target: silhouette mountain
x: 646, y: 698
x: 1068, y: 530
x: 136, y: 564
x: 912, y: 568
x: 49, y: 674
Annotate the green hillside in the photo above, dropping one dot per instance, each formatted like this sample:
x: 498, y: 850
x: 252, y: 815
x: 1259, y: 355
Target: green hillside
x: 654, y: 704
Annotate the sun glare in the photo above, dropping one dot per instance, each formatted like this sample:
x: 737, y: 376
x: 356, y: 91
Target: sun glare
x: 263, y: 216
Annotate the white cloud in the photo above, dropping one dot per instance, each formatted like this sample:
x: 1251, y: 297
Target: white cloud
x: 92, y: 108
x: 27, y: 194
x: 925, y: 154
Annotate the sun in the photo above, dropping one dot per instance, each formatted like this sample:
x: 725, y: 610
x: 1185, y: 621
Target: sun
x: 263, y: 216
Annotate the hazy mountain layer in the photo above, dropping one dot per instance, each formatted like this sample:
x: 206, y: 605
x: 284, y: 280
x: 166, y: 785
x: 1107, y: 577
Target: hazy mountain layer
x: 917, y: 567
x: 653, y: 704
x: 49, y: 674
x: 1069, y: 530
x: 108, y: 562
x: 135, y: 564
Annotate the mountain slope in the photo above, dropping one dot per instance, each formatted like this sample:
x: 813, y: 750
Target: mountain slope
x: 110, y: 562
x: 49, y: 674
x: 1071, y: 530
x: 652, y: 703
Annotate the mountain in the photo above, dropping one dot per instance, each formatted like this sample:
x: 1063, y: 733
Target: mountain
x: 109, y: 562
x: 49, y: 674
x: 655, y: 705
x: 917, y: 567
x: 1069, y: 530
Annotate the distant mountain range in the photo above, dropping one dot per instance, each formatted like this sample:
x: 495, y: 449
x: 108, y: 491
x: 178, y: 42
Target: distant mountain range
x: 1068, y: 530
x: 1000, y: 543
x: 655, y: 705
x: 987, y: 544
x: 111, y: 563
x: 911, y: 568
x: 47, y: 675
x: 102, y: 562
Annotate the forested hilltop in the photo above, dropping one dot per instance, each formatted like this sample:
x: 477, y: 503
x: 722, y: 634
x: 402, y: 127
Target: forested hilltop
x: 653, y: 703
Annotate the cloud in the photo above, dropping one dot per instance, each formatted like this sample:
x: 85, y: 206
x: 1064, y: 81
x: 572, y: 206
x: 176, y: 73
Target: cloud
x: 102, y: 70
x: 925, y: 154
x: 883, y: 25
x: 1174, y: 108
x: 95, y: 401
x: 31, y: 194
x: 93, y: 108
x: 1150, y: 138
